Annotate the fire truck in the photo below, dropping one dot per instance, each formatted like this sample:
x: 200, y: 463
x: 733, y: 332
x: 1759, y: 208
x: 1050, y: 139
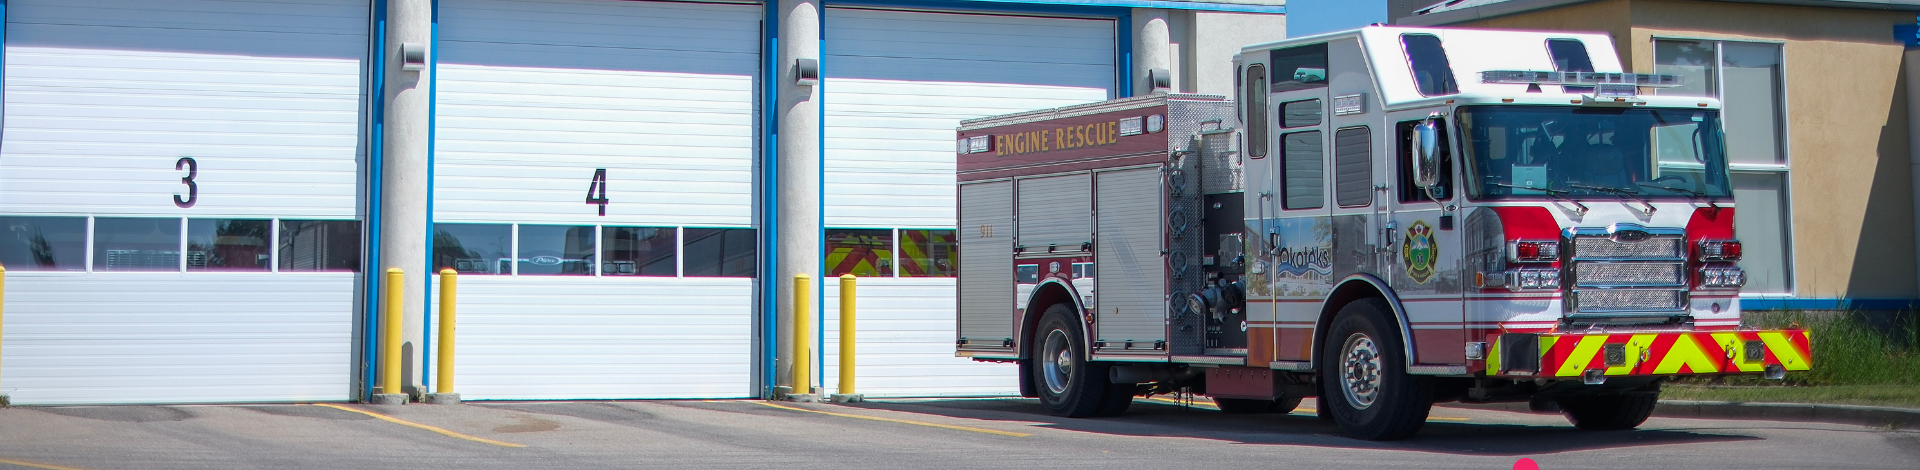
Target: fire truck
x: 1381, y: 219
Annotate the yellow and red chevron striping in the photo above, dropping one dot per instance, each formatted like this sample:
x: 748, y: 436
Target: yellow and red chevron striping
x: 1674, y: 353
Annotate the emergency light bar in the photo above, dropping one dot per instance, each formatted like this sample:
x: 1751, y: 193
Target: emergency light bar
x: 1522, y: 77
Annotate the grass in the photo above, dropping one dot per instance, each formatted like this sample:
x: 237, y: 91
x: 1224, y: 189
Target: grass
x: 1853, y: 363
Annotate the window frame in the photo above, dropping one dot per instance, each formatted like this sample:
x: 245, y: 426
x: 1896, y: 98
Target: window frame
x: 1782, y: 167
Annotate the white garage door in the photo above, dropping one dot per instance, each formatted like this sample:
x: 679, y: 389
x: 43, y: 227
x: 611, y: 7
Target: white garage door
x: 593, y: 183
x: 897, y: 84
x: 178, y: 189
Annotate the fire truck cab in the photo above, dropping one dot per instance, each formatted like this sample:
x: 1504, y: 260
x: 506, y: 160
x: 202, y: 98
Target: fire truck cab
x: 1381, y: 218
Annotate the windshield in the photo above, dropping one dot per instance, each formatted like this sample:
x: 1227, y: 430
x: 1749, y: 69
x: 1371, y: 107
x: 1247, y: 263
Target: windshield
x: 1531, y: 151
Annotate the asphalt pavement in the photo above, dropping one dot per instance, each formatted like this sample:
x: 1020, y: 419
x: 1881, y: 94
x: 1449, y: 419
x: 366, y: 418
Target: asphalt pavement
x: 917, y: 434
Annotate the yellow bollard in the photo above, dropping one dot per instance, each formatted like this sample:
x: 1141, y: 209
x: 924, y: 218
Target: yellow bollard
x: 802, y: 319
x: 443, y: 381
x: 390, y: 332
x: 846, y: 334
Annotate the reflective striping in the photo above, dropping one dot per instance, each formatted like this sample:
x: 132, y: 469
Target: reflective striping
x: 411, y: 424
x: 901, y: 421
x: 1718, y: 352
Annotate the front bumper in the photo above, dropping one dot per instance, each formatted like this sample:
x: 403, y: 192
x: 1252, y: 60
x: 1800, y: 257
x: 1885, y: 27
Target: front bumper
x: 1584, y: 355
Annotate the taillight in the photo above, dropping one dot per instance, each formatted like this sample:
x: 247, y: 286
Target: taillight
x: 1719, y: 250
x: 1533, y: 251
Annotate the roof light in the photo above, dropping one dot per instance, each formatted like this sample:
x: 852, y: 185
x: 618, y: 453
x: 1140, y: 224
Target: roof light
x: 1519, y: 77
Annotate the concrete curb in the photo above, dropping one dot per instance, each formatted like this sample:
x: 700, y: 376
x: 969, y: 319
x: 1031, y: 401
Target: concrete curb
x: 1872, y: 416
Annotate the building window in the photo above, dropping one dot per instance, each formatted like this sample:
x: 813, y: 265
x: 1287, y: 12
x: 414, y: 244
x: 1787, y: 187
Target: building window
x: 860, y: 252
x: 43, y: 243
x: 473, y: 248
x: 228, y: 245
x: 564, y: 250
x: 929, y: 253
x: 136, y: 244
x: 320, y: 245
x: 720, y: 252
x: 1748, y: 78
x: 640, y: 251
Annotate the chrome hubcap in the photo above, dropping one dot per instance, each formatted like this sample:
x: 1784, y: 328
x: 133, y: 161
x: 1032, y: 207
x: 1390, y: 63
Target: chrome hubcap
x: 1360, y: 371
x: 1056, y: 362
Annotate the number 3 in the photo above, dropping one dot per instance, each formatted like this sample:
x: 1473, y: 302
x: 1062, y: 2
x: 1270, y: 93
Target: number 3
x: 193, y: 189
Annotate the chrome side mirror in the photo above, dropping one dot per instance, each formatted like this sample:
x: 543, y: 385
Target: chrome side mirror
x: 1426, y: 153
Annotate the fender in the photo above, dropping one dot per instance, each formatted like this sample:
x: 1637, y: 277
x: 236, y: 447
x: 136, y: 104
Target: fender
x: 1363, y: 281
x: 1086, y: 329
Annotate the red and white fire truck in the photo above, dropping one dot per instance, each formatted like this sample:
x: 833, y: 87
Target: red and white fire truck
x: 1383, y: 218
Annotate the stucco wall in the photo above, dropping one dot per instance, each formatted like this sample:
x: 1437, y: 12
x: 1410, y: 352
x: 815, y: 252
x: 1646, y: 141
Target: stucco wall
x: 1217, y: 36
x: 1850, y: 185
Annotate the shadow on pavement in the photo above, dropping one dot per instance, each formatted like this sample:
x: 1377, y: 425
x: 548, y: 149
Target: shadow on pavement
x: 1164, y: 420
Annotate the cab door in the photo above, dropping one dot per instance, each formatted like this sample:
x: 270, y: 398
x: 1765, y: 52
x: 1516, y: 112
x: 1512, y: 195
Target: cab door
x: 1422, y: 243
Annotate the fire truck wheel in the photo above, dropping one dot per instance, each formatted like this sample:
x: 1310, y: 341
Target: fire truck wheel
x: 1364, y: 369
x: 1067, y: 383
x: 1609, y: 412
x: 1119, y: 398
x: 1250, y: 406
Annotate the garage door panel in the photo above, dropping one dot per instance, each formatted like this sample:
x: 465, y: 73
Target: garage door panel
x: 156, y: 337
x: 552, y: 338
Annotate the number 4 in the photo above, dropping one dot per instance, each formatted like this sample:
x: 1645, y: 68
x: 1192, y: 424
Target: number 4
x: 599, y: 185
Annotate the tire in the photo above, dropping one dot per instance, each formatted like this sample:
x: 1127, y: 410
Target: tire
x: 1609, y: 412
x: 1251, y: 406
x: 1381, y: 402
x: 1067, y: 384
x: 1119, y: 398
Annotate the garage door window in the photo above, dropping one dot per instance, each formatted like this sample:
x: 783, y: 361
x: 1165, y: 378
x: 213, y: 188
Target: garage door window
x: 43, y: 243
x: 564, y: 250
x: 720, y: 252
x: 136, y: 244
x: 640, y: 251
x: 320, y: 245
x: 228, y: 245
x: 860, y: 252
x: 473, y: 248
x: 929, y: 253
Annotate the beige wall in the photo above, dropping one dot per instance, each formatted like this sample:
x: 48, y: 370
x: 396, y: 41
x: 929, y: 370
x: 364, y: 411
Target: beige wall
x: 1852, y: 191
x: 1208, y: 40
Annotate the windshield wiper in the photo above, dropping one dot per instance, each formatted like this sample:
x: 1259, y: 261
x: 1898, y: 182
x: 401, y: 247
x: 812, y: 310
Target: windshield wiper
x: 1557, y: 194
x: 1690, y: 193
x: 1624, y: 195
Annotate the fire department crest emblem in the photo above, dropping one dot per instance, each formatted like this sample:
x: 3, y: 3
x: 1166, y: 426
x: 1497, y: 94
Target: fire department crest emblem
x: 1419, y: 251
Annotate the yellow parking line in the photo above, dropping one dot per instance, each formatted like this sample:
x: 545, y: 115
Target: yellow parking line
x: 36, y: 465
x: 393, y: 420
x: 901, y: 421
x: 1205, y: 403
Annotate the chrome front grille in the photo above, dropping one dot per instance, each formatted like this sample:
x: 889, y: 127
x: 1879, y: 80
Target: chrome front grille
x: 1605, y: 274
x: 1626, y: 270
x: 1626, y: 300
x: 1607, y: 248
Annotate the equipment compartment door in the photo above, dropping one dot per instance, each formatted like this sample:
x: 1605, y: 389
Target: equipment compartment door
x: 986, y: 259
x: 1127, y: 256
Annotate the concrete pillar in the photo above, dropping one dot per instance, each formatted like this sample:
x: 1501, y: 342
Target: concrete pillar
x: 403, y: 199
x: 1152, y: 47
x: 798, y: 178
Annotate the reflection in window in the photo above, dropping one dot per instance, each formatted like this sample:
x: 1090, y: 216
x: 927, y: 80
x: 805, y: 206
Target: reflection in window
x: 1428, y: 59
x: 228, y: 245
x: 130, y: 244
x: 1300, y: 113
x: 1761, y: 224
x: 860, y: 252
x: 638, y: 251
x: 556, y: 250
x: 473, y: 248
x: 1299, y: 68
x: 1026, y: 274
x: 720, y: 252
x: 1256, y: 105
x: 929, y: 253
x: 320, y: 245
x: 1303, y: 170
x: 43, y: 243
